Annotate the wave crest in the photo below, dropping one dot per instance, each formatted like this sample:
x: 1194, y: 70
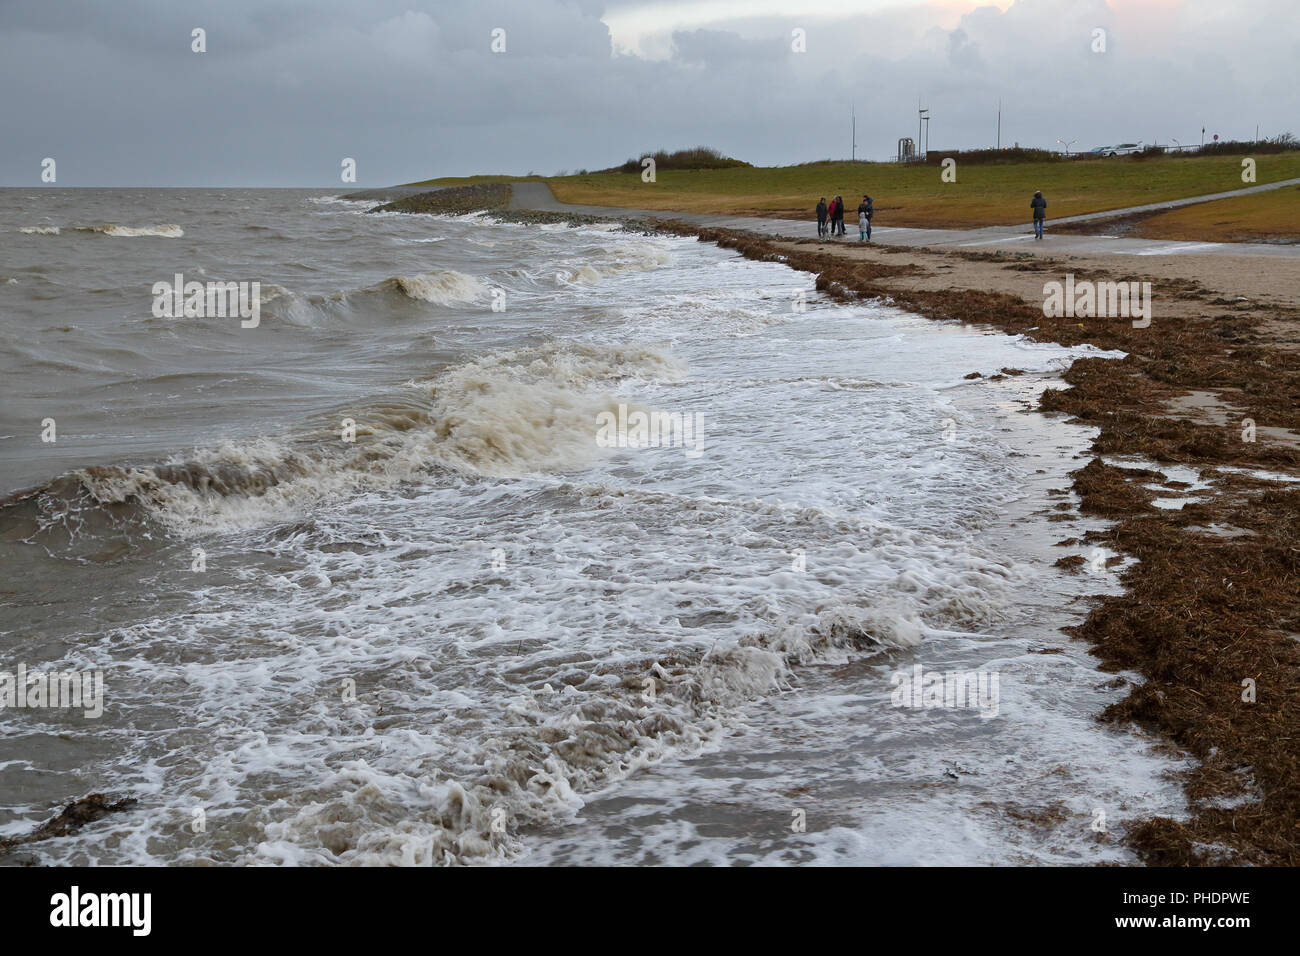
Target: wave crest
x: 166, y: 230
x: 509, y: 414
x: 441, y: 287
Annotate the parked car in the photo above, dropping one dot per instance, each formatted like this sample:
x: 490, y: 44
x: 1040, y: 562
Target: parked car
x: 1123, y: 149
x: 1100, y: 150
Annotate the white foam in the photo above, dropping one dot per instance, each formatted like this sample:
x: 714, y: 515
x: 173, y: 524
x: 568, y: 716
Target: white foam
x: 443, y: 286
x: 617, y: 260
x: 166, y: 231
x: 501, y: 592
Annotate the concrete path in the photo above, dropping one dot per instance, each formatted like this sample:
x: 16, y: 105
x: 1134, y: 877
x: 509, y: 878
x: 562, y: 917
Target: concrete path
x: 1175, y: 203
x: 538, y: 196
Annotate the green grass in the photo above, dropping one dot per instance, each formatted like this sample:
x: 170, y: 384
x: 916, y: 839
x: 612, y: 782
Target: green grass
x: 911, y: 195
x: 1271, y: 215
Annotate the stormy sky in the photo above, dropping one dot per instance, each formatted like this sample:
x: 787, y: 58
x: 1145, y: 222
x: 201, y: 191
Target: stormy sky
x: 412, y: 88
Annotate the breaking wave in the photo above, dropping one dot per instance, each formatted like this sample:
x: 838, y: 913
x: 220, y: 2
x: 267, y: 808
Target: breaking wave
x: 562, y: 743
x: 631, y: 257
x: 442, y: 287
x: 167, y: 231
x: 476, y: 732
x: 510, y: 414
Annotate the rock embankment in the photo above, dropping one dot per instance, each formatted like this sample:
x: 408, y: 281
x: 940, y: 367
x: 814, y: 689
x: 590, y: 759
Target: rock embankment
x: 494, y: 199
x: 453, y: 201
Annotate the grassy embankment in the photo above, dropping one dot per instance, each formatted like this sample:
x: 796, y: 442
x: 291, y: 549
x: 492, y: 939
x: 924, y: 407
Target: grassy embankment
x: 1269, y: 216
x: 984, y: 194
x: 913, y: 195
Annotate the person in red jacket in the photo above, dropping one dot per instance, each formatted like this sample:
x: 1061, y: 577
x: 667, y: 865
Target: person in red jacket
x: 832, y: 211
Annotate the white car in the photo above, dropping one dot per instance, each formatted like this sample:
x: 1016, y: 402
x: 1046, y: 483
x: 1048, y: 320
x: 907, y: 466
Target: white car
x: 1123, y: 149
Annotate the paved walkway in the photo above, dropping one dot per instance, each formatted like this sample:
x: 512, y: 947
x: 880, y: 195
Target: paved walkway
x: 538, y: 196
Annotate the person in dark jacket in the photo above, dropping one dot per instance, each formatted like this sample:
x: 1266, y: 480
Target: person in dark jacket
x: 839, y: 214
x: 1039, y: 205
x: 821, y: 217
x: 864, y: 219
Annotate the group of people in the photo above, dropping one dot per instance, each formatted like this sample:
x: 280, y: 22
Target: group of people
x: 830, y: 218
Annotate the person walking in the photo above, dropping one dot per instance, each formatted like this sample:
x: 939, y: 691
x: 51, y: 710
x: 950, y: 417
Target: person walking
x: 1039, y: 205
x: 831, y: 212
x: 864, y: 219
x: 839, y: 214
x: 821, y: 218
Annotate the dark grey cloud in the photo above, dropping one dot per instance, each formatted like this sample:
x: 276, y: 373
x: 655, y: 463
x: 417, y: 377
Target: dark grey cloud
x: 410, y: 88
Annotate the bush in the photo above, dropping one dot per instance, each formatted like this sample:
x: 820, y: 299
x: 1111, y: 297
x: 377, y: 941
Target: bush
x: 1148, y: 152
x: 700, y: 157
x: 993, y: 156
x: 1282, y: 143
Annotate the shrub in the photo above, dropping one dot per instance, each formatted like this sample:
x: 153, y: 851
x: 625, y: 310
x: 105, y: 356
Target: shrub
x: 1282, y: 143
x: 699, y: 157
x: 1011, y: 154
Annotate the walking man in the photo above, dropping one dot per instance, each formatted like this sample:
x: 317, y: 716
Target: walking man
x: 821, y: 218
x: 1039, y: 205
